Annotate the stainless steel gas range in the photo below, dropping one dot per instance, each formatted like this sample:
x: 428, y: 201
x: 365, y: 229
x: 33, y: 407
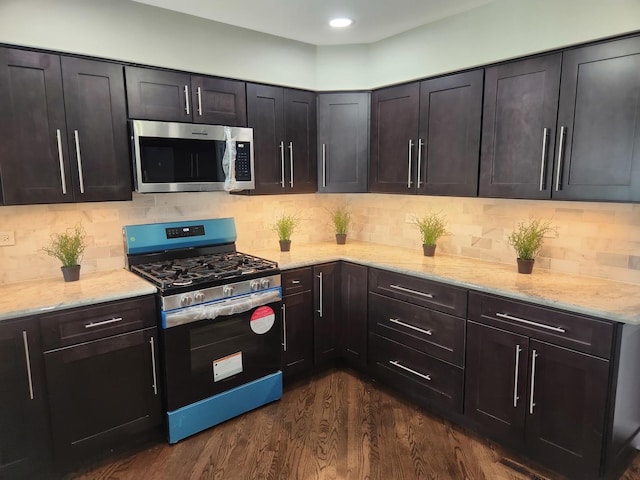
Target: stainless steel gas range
x: 220, y: 320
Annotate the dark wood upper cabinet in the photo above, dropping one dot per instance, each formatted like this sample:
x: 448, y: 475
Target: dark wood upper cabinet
x: 598, y: 153
x: 34, y: 158
x: 519, y: 126
x: 284, y: 136
x: 449, y: 134
x: 343, y: 142
x: 394, y: 129
x: 181, y: 97
x: 96, y: 114
x: 66, y: 119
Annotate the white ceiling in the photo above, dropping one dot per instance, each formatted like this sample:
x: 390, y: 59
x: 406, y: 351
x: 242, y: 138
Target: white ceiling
x: 307, y: 20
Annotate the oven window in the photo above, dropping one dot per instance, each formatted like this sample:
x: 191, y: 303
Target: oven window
x: 177, y: 160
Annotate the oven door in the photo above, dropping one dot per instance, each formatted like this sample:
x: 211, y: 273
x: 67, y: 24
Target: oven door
x: 211, y: 355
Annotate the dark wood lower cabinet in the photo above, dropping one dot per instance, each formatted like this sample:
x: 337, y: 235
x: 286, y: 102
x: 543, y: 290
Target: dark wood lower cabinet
x: 353, y: 314
x: 24, y: 432
x: 326, y: 316
x: 297, y: 343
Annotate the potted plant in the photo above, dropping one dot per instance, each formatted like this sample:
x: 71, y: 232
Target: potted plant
x: 341, y: 217
x: 432, y: 226
x: 527, y: 239
x: 284, y: 226
x: 68, y: 247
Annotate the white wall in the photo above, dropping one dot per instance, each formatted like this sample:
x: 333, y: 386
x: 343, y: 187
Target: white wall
x: 124, y: 30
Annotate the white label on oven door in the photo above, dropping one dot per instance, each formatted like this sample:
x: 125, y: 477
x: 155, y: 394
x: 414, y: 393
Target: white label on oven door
x: 226, y: 367
x: 262, y: 319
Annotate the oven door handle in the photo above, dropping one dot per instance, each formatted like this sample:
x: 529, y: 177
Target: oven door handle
x: 221, y: 308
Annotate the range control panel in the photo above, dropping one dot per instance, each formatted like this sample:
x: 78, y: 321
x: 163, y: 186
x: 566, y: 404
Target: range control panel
x: 180, y: 232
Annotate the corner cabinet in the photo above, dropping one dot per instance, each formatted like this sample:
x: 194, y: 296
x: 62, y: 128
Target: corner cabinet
x: 343, y: 142
x: 24, y: 436
x: 425, y: 136
x: 181, y: 97
x: 284, y: 135
x: 353, y: 314
x: 66, y: 132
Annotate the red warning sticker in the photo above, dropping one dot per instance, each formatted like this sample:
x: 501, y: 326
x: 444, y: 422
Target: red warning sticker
x: 262, y: 319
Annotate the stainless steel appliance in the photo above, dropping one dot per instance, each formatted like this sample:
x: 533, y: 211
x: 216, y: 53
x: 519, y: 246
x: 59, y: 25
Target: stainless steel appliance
x: 185, y: 157
x: 220, y: 320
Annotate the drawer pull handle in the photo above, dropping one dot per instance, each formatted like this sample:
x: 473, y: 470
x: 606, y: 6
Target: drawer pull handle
x: 100, y: 324
x: 515, y: 376
x: 529, y: 322
x: 532, y: 404
x: 295, y: 282
x: 414, y: 292
x: 153, y: 366
x: 426, y: 332
x: 410, y: 370
x: 27, y: 358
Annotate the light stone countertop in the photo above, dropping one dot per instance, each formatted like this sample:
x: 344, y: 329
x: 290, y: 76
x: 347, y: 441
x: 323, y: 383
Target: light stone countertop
x: 601, y: 298
x: 35, y: 297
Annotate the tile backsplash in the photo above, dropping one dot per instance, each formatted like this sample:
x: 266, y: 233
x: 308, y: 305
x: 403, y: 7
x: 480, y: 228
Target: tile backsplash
x: 593, y: 239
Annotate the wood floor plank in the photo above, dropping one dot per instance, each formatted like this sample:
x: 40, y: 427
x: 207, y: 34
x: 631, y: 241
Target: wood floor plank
x: 332, y: 426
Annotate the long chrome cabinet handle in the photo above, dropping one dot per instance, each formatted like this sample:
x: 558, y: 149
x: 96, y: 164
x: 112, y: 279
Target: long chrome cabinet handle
x: 284, y: 327
x: 76, y: 136
x: 186, y: 100
x: 27, y: 358
x: 320, y: 294
x: 410, y: 370
x: 515, y: 376
x: 563, y: 131
x: 529, y: 322
x: 282, y: 163
x: 324, y: 165
x: 291, y: 162
x: 532, y: 404
x: 414, y: 292
x: 153, y: 366
x: 543, y: 162
x: 409, y: 173
x: 395, y: 320
x: 100, y: 324
x: 199, y: 93
x: 63, y: 178
x: 420, y: 145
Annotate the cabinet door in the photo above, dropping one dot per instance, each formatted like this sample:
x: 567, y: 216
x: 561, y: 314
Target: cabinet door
x: 343, y: 142
x: 297, y: 345
x: 518, y: 128
x: 96, y: 116
x: 449, y: 136
x: 102, y: 394
x: 301, y: 140
x: 34, y: 164
x: 495, y: 386
x: 326, y: 311
x: 218, y: 101
x: 394, y: 130
x: 158, y: 95
x: 24, y: 431
x: 353, y: 314
x: 265, y: 114
x: 566, y: 408
x: 598, y: 127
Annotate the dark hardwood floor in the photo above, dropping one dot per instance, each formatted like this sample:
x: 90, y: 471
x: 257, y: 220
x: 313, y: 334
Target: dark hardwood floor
x: 332, y: 426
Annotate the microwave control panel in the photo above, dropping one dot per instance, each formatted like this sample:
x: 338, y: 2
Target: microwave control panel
x: 243, y: 161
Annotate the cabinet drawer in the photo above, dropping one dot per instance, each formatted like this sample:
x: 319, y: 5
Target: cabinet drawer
x: 438, y: 296
x: 417, y: 375
x: 296, y: 281
x: 90, y: 323
x: 580, y: 333
x: 438, y: 334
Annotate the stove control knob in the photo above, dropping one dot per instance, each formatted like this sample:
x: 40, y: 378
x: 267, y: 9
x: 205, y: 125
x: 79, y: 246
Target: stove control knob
x: 255, y: 285
x: 264, y: 283
x: 199, y: 297
x: 186, y: 300
x: 227, y: 290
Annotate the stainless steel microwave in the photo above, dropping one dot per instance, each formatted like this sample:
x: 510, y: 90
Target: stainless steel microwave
x: 184, y: 157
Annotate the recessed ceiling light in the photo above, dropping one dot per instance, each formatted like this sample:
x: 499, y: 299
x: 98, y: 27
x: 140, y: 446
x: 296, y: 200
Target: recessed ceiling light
x: 340, y: 22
